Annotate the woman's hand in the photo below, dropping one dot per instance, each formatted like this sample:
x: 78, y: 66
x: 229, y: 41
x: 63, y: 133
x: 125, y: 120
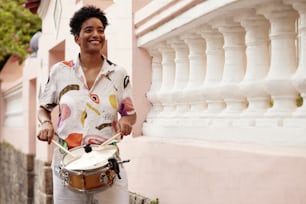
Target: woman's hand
x: 126, y: 124
x: 46, y: 131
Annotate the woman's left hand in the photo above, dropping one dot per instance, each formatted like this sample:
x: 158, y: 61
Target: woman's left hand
x: 126, y: 124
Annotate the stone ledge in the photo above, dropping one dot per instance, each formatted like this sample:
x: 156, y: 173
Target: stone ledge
x: 138, y: 199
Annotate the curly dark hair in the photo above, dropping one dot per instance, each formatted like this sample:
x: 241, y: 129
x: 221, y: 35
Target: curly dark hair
x: 84, y: 14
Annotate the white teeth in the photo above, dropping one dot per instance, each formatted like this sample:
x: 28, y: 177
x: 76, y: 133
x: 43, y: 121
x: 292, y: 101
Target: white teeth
x: 95, y: 42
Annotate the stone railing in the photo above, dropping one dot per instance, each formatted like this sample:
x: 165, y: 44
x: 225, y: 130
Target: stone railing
x: 231, y: 70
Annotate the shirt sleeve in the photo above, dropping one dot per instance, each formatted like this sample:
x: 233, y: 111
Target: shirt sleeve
x: 126, y: 104
x: 48, y: 98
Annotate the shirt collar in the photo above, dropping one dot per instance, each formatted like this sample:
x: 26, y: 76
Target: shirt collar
x: 106, y: 67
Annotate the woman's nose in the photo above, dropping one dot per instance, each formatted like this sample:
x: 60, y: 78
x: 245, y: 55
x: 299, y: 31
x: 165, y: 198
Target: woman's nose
x: 95, y: 32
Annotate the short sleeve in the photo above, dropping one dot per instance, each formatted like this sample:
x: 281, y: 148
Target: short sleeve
x: 48, y: 98
x: 126, y: 104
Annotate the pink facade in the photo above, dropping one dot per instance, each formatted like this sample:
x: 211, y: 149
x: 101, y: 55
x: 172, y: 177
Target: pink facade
x: 204, y: 76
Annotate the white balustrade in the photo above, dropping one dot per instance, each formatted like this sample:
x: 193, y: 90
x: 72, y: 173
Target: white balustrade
x: 257, y: 53
x: 197, y: 67
x: 214, y: 71
x: 234, y: 66
x: 181, y: 76
x: 155, y: 86
x: 240, y: 67
x: 299, y: 78
x: 165, y: 93
x: 283, y: 59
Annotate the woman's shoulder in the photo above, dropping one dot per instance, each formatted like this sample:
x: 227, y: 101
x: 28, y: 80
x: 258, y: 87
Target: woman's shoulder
x: 115, y: 67
x: 65, y: 64
x: 62, y: 65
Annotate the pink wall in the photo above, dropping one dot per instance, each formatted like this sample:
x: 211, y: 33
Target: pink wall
x: 11, y: 71
x: 141, y: 75
x: 198, y: 172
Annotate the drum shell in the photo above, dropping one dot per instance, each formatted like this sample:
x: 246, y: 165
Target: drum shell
x: 89, y: 180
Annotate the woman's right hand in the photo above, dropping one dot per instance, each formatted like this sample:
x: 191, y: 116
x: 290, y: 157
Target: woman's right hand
x: 46, y: 131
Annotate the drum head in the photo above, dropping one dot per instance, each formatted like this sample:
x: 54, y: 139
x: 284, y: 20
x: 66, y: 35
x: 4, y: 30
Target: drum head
x: 97, y: 158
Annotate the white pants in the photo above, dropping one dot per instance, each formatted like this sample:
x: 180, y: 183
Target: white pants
x: 115, y: 194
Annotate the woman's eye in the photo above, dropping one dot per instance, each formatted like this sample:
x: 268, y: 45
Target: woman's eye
x: 90, y: 30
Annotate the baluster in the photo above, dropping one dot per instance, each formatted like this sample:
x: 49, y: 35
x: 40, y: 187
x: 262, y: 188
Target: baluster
x: 299, y: 78
x: 214, y: 71
x: 257, y: 52
x: 165, y: 94
x: 283, y: 60
x: 181, y: 76
x: 155, y: 86
x: 234, y: 68
x: 193, y: 92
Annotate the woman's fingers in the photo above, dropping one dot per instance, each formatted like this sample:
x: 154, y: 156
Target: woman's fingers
x: 125, y: 129
x: 46, y: 135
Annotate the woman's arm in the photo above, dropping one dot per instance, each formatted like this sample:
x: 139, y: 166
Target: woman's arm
x: 46, y: 131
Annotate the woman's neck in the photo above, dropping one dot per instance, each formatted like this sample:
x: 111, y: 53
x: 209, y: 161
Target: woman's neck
x: 89, y: 61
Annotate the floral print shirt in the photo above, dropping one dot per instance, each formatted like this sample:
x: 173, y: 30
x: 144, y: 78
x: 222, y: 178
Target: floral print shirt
x: 87, y: 115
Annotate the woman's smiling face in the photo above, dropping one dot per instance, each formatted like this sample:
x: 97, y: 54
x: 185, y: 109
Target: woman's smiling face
x: 91, y: 38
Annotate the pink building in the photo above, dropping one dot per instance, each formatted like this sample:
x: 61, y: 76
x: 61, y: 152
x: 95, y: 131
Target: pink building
x: 215, y: 85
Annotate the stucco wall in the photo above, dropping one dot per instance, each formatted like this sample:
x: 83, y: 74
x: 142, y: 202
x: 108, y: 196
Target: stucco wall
x: 194, y: 172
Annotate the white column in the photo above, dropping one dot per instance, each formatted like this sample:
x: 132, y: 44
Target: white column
x: 214, y: 71
x: 181, y: 75
x: 234, y: 67
x: 283, y: 58
x: 155, y: 86
x: 299, y: 78
x: 168, y: 71
x: 257, y: 53
x: 197, y: 67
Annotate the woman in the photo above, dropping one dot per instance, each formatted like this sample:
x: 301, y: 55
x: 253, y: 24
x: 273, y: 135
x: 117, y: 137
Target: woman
x: 90, y: 92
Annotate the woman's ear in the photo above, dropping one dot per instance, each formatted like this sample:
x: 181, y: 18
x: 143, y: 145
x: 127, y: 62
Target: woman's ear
x: 76, y: 39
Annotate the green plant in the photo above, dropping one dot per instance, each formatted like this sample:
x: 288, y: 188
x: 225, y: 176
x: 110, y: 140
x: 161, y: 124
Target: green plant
x: 155, y: 201
x: 299, y: 101
x: 18, y: 25
x: 7, y: 144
